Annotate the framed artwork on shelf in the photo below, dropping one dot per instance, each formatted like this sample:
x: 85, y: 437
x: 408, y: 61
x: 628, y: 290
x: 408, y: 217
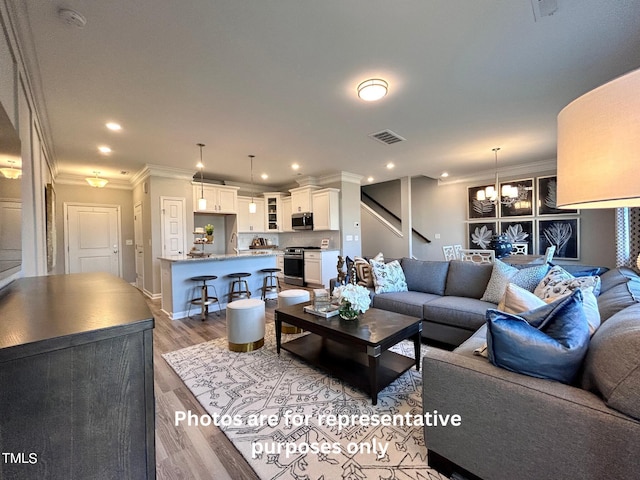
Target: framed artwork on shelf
x: 522, y: 205
x: 519, y: 231
x: 547, y: 190
x: 478, y: 209
x: 480, y: 233
x: 564, y: 233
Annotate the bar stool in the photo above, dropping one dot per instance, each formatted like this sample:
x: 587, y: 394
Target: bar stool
x: 242, y: 285
x: 269, y: 282
x: 292, y: 297
x: 204, y: 300
x: 245, y: 325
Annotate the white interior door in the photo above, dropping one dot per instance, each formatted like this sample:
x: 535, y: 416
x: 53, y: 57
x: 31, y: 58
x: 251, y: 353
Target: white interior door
x: 173, y: 227
x: 92, y: 234
x: 139, y: 245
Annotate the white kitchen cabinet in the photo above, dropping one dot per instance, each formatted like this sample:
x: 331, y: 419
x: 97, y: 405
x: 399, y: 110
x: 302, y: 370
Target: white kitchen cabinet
x: 326, y: 211
x: 250, y: 222
x: 286, y: 215
x: 273, y: 211
x: 220, y: 198
x: 320, y: 267
x: 280, y: 264
x: 301, y: 199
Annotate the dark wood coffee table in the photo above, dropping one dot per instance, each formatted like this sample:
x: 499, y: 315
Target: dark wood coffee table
x: 356, y: 351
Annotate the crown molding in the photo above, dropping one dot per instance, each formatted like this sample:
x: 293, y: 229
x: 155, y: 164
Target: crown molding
x: 510, y: 172
x: 150, y: 170
x: 78, y: 180
x: 340, y: 177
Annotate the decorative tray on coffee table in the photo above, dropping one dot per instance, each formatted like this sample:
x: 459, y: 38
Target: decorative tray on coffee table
x: 332, y: 311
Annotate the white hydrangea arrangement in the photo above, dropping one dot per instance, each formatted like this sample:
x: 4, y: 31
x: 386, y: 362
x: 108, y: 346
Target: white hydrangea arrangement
x: 353, y: 299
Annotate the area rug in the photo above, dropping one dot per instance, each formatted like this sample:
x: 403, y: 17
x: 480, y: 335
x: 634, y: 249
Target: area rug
x: 292, y: 421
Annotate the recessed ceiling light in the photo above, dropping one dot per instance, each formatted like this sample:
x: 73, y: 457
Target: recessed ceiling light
x: 104, y: 149
x: 373, y: 89
x: 114, y: 126
x: 390, y: 165
x: 444, y: 174
x: 369, y: 179
x: 295, y: 166
x: 264, y: 176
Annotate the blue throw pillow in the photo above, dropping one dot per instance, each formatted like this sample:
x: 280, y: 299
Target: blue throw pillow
x: 548, y: 342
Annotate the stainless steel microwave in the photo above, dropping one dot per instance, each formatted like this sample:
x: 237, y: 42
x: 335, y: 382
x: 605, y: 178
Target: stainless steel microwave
x: 302, y: 221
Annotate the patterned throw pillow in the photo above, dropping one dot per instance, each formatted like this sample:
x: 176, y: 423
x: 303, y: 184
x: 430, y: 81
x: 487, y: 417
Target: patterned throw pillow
x: 528, y: 278
x: 364, y: 275
x: 388, y: 277
x: 500, y: 278
x: 559, y: 283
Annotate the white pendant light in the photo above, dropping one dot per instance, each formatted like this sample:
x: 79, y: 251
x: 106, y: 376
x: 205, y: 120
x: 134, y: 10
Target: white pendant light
x: 96, y: 181
x: 202, y: 202
x: 11, y: 172
x: 252, y: 206
x: 372, y: 89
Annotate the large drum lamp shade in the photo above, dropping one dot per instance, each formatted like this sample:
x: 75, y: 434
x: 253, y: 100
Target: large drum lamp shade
x: 599, y: 147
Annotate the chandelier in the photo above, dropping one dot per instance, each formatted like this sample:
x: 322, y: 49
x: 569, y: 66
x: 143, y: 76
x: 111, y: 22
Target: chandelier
x: 507, y: 195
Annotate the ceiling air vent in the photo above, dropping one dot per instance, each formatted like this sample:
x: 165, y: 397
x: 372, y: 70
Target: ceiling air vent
x: 387, y: 137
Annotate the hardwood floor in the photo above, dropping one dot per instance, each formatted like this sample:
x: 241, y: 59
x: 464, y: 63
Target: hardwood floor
x: 190, y: 452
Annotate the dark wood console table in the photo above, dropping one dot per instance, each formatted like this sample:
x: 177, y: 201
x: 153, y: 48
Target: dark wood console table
x: 76, y: 379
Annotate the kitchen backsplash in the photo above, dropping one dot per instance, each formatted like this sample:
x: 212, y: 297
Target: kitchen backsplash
x: 294, y: 239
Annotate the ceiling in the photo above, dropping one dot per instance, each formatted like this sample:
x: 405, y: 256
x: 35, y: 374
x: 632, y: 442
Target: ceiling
x: 277, y: 79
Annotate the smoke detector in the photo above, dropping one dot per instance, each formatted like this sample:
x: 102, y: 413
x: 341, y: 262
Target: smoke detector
x: 72, y: 17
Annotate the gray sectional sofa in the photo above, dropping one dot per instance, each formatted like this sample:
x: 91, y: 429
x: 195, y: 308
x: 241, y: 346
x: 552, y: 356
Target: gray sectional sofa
x: 513, y: 425
x: 516, y: 426
x: 445, y: 294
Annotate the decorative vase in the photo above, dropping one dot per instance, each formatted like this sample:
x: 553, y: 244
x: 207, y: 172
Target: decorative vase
x: 346, y: 312
x: 501, y: 245
x: 209, y: 238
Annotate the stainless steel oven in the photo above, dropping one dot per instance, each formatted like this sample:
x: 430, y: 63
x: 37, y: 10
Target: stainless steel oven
x: 294, y: 266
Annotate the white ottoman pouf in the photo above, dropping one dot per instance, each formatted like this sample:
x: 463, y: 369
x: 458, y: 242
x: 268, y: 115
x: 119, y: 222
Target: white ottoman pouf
x: 291, y: 297
x: 245, y: 325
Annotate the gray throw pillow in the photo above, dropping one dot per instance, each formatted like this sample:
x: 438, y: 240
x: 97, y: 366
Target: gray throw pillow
x: 467, y: 279
x: 425, y: 276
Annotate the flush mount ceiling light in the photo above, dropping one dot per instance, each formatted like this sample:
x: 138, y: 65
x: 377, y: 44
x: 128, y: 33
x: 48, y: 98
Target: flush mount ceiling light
x: 104, y: 149
x: 96, y: 181
x: 252, y: 206
x: 114, y: 126
x: 11, y: 172
x: 202, y: 202
x: 373, y: 89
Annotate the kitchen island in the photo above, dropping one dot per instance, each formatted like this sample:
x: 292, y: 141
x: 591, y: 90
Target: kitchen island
x: 178, y: 289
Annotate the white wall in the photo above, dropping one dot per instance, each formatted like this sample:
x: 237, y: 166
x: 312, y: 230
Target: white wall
x: 441, y: 210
